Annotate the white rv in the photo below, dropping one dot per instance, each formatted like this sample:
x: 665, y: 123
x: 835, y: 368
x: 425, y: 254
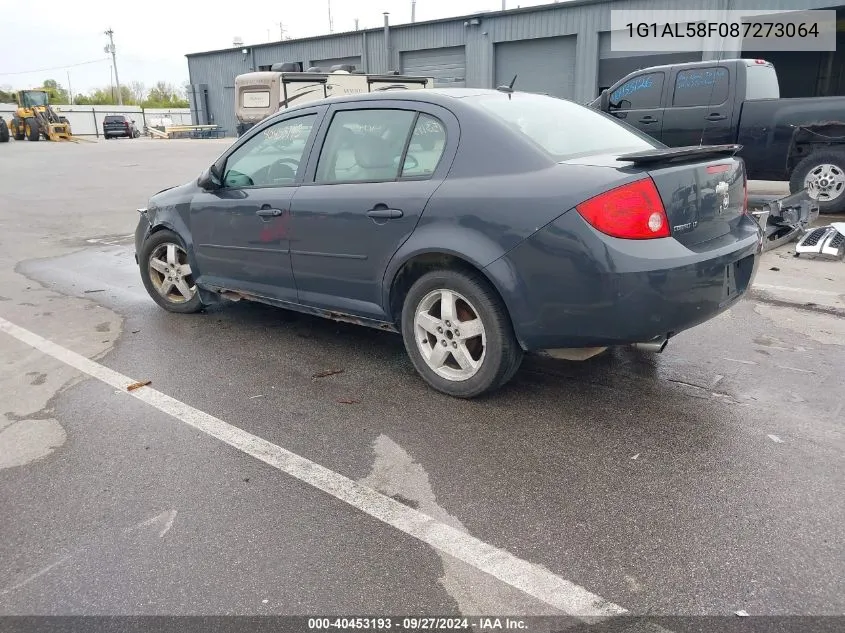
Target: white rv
x: 260, y: 94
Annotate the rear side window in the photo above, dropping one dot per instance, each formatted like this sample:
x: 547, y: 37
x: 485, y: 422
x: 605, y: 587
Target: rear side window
x: 563, y: 129
x: 639, y: 92
x: 701, y: 87
x: 365, y: 146
x: 112, y: 118
x: 761, y: 82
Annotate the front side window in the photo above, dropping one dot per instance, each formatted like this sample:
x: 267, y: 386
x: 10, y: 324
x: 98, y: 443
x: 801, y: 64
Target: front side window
x: 272, y: 157
x: 640, y: 92
x: 701, y: 87
x: 364, y: 146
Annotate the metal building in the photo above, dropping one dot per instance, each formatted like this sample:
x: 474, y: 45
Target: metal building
x: 562, y: 49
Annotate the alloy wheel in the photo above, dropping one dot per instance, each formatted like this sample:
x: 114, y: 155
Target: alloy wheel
x: 171, y: 273
x: 450, y: 334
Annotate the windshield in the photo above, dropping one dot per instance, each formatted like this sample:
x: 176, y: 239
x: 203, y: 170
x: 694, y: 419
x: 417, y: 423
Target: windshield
x: 562, y: 128
x: 34, y: 98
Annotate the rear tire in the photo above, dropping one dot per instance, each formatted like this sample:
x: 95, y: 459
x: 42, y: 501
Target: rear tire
x: 4, y: 131
x: 169, y: 278
x: 823, y: 175
x: 18, y: 129
x: 32, y: 129
x: 488, y: 350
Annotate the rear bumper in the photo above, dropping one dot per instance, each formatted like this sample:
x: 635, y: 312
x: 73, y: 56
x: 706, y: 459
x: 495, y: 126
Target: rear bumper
x: 571, y: 286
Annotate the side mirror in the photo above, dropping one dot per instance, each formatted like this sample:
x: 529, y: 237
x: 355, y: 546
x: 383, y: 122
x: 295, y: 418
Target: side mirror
x: 604, y: 100
x: 209, y: 179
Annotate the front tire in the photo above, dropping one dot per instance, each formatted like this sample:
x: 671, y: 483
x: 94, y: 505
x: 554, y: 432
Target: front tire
x: 32, y: 129
x: 167, y: 275
x: 4, y: 131
x: 458, y: 334
x: 823, y: 175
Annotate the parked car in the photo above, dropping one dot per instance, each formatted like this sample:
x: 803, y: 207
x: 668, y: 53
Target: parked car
x: 737, y: 101
x: 534, y: 224
x: 117, y: 125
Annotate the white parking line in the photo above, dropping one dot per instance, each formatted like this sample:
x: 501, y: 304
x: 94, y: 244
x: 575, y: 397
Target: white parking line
x: 529, y: 578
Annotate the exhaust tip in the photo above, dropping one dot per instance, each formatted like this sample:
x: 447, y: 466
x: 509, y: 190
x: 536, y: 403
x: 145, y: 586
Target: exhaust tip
x: 656, y: 346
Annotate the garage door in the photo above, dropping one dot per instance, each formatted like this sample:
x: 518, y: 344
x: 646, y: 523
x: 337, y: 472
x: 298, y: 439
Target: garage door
x: 545, y: 65
x: 446, y: 65
x: 325, y: 64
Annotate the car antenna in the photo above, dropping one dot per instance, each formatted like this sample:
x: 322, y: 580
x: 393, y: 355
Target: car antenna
x: 508, y: 90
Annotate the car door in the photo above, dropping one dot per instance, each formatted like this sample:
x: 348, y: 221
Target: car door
x: 240, y: 230
x: 637, y: 102
x: 377, y: 168
x: 700, y: 109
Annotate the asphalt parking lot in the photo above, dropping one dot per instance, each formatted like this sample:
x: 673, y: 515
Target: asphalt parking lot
x: 703, y: 481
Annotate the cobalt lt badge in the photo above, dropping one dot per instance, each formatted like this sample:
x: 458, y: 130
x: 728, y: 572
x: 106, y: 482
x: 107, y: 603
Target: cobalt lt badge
x: 725, y: 198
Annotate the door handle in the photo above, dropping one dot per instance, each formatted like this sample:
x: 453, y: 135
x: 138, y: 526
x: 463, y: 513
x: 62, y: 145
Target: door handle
x: 715, y: 117
x: 648, y: 119
x: 267, y: 212
x: 380, y: 211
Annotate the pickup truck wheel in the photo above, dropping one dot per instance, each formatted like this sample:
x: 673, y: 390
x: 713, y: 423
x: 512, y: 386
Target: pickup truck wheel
x: 823, y: 175
x: 458, y: 334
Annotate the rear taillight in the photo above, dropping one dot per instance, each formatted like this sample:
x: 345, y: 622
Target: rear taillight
x: 632, y: 211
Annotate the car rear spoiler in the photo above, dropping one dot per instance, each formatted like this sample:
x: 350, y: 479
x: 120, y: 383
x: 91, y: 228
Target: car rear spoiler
x: 678, y: 154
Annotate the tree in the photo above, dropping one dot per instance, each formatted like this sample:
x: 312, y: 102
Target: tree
x: 164, y: 95
x: 55, y: 92
x: 106, y: 96
x: 138, y: 90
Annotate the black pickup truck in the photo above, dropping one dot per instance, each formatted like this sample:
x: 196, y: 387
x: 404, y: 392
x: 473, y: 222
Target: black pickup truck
x: 737, y: 101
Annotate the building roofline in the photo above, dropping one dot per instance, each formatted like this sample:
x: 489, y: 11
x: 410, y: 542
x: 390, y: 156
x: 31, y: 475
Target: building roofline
x: 401, y: 25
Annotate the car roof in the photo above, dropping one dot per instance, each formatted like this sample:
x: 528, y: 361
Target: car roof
x: 439, y: 96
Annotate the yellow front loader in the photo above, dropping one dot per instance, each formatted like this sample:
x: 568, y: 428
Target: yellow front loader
x: 35, y: 119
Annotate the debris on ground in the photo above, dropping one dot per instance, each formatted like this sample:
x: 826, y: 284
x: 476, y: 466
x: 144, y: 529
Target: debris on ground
x: 260, y: 395
x: 138, y: 385
x: 326, y: 372
x: 348, y: 401
x: 741, y: 613
x: 87, y: 292
x: 827, y: 241
x: 635, y: 456
x: 775, y: 439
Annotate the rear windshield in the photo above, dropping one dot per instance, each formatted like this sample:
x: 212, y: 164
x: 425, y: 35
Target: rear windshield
x: 562, y: 128
x: 113, y: 119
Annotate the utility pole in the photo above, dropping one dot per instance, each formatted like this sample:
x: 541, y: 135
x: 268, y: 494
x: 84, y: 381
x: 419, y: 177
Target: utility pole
x: 281, y: 31
x: 110, y: 49
x: 331, y: 24
x: 69, y: 89
x: 413, y: 11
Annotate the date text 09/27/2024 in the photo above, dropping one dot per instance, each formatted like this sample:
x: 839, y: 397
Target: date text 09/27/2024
x: 416, y: 623
x: 723, y: 29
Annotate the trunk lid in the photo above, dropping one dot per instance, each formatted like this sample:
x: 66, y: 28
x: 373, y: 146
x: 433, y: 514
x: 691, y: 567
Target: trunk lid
x: 703, y: 189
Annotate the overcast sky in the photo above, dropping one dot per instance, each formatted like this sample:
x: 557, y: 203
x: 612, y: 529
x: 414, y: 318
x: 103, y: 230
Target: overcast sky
x: 152, y: 41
